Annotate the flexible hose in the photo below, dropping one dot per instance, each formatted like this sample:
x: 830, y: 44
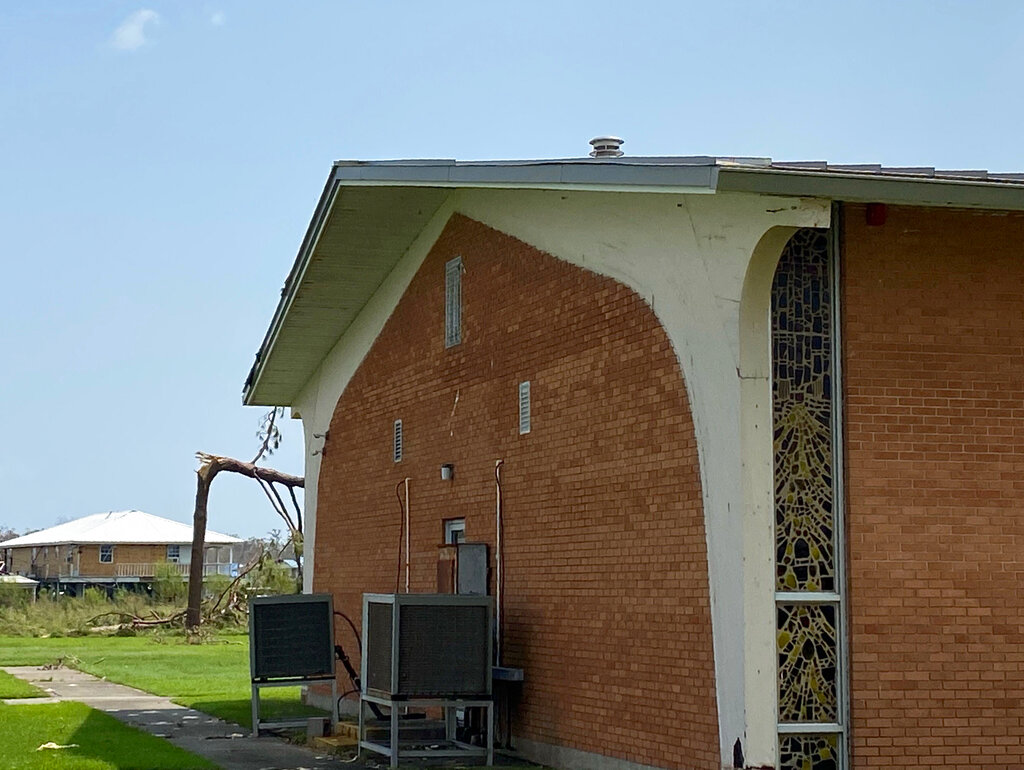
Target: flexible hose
x: 401, y: 533
x: 498, y: 556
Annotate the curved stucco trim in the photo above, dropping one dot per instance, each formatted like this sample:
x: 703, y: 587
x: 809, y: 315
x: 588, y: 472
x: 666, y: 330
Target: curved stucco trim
x: 688, y: 257
x: 761, y: 681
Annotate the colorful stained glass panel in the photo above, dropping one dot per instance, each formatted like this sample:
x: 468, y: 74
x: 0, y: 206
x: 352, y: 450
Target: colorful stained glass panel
x: 802, y: 415
x: 809, y: 752
x: 807, y: 647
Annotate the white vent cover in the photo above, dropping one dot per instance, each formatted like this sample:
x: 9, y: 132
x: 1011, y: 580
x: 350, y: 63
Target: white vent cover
x: 398, y: 441
x: 524, y: 407
x: 606, y: 147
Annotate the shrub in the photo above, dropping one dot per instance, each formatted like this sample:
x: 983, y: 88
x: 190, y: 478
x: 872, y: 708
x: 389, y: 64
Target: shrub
x: 169, y: 585
x: 13, y: 595
x: 215, y: 585
x: 270, y: 578
x: 60, y: 615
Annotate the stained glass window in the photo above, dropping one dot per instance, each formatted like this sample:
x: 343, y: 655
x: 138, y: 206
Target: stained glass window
x: 807, y: 663
x: 802, y: 411
x: 807, y: 607
x: 809, y: 752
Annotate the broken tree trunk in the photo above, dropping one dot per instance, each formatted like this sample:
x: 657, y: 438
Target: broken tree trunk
x: 209, y: 467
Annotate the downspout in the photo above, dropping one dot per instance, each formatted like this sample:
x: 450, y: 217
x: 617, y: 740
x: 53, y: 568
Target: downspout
x: 498, y: 561
x: 407, y: 534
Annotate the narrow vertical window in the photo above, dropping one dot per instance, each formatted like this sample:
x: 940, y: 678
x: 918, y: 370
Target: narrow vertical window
x: 808, y: 507
x: 524, y: 407
x: 453, y: 302
x: 397, y: 446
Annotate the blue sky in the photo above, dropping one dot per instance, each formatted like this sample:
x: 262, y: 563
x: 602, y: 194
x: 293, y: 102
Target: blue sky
x: 159, y: 163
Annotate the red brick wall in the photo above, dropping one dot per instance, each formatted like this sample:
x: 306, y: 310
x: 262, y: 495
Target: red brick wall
x: 606, y: 584
x: 933, y: 307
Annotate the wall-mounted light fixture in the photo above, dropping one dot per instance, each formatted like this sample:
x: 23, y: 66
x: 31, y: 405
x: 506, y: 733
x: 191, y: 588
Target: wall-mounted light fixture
x: 447, y: 472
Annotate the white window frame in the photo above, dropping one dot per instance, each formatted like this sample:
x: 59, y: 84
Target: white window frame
x: 108, y: 551
x: 174, y: 557
x: 453, y: 528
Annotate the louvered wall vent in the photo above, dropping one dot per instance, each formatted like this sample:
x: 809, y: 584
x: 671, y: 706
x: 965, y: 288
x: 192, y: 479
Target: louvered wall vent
x: 453, y: 302
x: 524, y: 407
x: 398, y: 441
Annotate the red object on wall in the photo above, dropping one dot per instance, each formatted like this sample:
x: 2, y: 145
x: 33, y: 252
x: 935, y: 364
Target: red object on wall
x: 875, y: 214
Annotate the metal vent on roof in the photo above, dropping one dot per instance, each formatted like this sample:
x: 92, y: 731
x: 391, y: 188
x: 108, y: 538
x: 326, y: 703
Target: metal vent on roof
x: 606, y: 147
x: 398, y: 441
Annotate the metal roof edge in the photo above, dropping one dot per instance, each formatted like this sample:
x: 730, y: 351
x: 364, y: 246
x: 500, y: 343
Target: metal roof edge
x: 290, y: 284
x: 627, y: 160
x: 856, y: 186
x: 691, y: 174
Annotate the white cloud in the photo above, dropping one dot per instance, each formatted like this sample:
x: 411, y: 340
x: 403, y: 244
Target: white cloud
x: 131, y: 35
x: 217, y: 18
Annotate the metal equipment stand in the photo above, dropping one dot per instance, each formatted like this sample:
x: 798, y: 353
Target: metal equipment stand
x: 258, y: 725
x: 451, y: 748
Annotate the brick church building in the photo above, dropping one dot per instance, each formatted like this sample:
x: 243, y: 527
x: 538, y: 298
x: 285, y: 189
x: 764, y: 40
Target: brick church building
x: 756, y: 430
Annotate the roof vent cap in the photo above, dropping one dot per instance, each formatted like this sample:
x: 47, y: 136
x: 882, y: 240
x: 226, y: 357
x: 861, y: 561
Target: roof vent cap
x: 606, y: 147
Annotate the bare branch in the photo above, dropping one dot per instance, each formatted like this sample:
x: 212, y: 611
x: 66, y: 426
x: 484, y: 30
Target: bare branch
x: 281, y: 507
x: 298, y: 508
x: 269, y: 434
x: 275, y: 502
x: 252, y: 564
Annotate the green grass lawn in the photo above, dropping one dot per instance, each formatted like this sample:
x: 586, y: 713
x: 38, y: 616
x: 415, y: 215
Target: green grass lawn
x: 103, y: 742
x: 12, y: 687
x: 212, y: 677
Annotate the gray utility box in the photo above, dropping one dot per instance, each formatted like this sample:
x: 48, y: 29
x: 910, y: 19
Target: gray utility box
x: 420, y: 646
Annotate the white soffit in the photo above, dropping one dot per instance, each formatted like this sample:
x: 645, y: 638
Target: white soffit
x: 364, y: 233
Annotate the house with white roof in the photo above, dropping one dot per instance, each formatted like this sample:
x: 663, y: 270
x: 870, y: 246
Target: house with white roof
x: 110, y: 549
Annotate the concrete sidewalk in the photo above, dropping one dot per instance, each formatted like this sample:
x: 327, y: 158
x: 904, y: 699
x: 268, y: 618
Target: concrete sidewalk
x: 227, y: 744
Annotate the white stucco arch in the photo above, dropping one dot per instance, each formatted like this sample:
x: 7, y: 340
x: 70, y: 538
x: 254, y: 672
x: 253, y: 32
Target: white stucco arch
x: 701, y: 262
x: 755, y: 374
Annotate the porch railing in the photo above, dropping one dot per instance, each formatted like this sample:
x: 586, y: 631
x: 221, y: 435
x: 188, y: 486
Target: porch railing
x: 149, y: 570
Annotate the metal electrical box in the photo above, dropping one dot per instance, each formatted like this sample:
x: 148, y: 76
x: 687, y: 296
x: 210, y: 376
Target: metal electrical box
x: 427, y: 646
x: 473, y: 566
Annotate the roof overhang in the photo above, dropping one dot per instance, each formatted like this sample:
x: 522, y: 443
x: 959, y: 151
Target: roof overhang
x: 370, y: 213
x: 882, y: 187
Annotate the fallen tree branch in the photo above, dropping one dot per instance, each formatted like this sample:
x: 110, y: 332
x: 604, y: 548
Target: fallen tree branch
x: 134, y: 621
